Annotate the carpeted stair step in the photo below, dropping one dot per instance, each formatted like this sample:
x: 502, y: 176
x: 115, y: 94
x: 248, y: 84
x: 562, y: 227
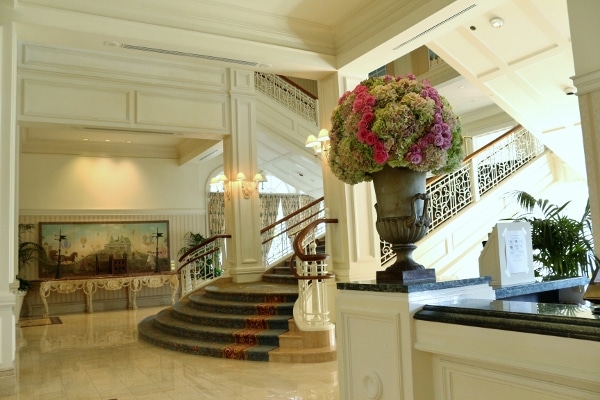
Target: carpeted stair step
x: 151, y: 332
x: 167, y: 322
x: 280, y: 274
x: 186, y: 312
x: 217, y: 306
x: 256, y: 292
x: 225, y: 319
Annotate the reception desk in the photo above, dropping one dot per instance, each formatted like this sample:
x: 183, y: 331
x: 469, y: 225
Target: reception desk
x: 454, y: 340
x: 133, y: 283
x: 511, y: 350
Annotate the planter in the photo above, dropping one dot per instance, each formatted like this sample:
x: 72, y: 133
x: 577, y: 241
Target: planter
x: 20, y: 297
x: 402, y: 220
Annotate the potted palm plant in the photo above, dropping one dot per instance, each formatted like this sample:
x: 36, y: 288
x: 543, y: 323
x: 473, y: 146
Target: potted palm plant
x: 27, y: 252
x: 206, y: 266
x: 563, y: 246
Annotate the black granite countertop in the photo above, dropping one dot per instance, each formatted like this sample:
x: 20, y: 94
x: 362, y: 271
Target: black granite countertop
x: 566, y: 320
x: 373, y: 286
x: 537, y: 287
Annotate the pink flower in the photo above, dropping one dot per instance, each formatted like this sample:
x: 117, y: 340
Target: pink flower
x: 370, y: 101
x: 368, y: 117
x: 371, y: 139
x: 381, y: 157
x: 358, y: 104
x: 437, y: 129
x: 362, y: 124
x: 439, y: 140
x: 414, y: 158
x: 446, y: 128
x: 378, y: 146
x: 437, y: 118
x: 362, y: 135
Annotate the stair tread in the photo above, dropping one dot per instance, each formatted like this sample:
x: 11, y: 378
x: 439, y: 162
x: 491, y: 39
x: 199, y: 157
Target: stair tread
x: 155, y: 335
x: 195, y: 312
x: 165, y: 317
x: 254, y: 288
x: 308, y: 350
x: 199, y: 299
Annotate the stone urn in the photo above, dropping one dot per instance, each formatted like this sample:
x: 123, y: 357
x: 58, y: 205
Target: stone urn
x: 402, y: 220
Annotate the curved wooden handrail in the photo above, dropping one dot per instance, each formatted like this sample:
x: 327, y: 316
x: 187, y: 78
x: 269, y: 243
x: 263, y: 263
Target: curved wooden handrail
x: 299, y: 252
x: 300, y: 238
x: 300, y: 88
x: 476, y: 152
x: 197, y: 258
x: 307, y: 277
x: 198, y: 246
x: 291, y: 215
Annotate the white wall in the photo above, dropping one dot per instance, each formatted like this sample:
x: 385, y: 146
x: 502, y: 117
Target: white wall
x: 64, y: 182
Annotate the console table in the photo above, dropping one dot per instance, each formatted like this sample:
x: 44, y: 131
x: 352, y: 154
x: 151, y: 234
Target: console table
x: 89, y: 286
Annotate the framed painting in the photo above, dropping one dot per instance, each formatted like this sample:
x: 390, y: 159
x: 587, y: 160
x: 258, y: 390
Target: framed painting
x: 104, y: 248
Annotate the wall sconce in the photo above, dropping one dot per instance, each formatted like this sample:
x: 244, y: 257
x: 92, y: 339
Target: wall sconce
x: 249, y: 187
x: 320, y: 143
x: 219, y: 182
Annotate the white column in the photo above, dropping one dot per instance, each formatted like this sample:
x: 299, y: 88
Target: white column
x: 242, y: 215
x: 584, y: 32
x: 8, y: 203
x: 353, y: 243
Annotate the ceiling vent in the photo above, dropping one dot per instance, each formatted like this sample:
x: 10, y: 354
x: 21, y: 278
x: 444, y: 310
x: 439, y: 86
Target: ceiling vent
x: 426, y: 31
x: 123, y: 130
x: 192, y: 55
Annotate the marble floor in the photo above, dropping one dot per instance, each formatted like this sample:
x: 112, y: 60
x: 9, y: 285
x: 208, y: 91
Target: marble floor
x: 98, y: 357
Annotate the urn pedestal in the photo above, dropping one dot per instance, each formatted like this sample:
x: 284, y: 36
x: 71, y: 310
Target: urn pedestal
x: 402, y: 220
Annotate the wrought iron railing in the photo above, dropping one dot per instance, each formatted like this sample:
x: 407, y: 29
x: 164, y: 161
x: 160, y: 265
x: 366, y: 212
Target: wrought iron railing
x: 287, y: 95
x: 311, y: 310
x: 479, y: 173
x: 202, y: 263
x: 278, y: 238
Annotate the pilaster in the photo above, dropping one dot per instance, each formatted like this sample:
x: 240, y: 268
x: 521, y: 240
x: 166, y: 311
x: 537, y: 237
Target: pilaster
x: 584, y: 32
x: 242, y: 212
x: 353, y: 242
x: 8, y: 202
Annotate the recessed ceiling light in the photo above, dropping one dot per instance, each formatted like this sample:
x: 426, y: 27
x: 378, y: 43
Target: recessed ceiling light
x: 112, y: 43
x: 107, y: 140
x: 496, y: 22
x: 129, y: 141
x: 85, y: 139
x: 461, y: 87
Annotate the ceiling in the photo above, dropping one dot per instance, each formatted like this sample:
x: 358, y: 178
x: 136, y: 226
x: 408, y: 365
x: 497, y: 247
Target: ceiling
x: 520, y: 69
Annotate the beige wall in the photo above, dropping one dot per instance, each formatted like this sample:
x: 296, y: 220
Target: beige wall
x: 63, y: 182
x: 61, y: 188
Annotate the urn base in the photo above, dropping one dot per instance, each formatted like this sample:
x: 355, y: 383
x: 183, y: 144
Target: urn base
x: 425, y: 275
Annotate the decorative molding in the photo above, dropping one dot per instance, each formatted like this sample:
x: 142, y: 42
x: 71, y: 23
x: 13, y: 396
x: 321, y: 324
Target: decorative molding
x: 53, y: 59
x: 124, y: 212
x: 588, y: 82
x: 73, y: 100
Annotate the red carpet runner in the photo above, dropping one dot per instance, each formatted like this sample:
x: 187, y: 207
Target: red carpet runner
x: 248, y: 337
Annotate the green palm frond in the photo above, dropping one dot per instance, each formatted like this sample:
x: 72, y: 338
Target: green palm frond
x: 562, y: 245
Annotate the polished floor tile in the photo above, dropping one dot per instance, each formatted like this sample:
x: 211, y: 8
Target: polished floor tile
x: 98, y: 357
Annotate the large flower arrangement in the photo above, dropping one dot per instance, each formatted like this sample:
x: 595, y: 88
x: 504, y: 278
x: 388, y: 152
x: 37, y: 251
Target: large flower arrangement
x: 395, y: 121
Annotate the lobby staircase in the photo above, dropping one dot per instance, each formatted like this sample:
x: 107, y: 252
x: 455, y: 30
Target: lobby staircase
x: 225, y: 320
x: 241, y: 321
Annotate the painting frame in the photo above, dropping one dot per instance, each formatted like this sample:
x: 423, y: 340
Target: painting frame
x: 88, y: 249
